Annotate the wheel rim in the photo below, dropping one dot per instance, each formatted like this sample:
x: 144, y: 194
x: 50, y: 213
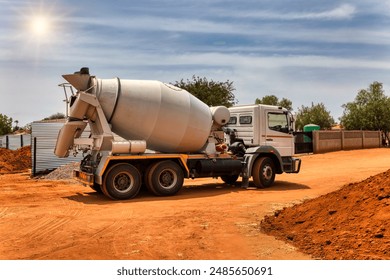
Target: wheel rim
x: 167, y: 179
x: 267, y: 172
x: 123, y: 182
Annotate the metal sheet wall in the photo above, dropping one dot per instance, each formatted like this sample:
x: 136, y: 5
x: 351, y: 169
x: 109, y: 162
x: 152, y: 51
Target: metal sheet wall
x: 43, y: 141
x: 14, y: 142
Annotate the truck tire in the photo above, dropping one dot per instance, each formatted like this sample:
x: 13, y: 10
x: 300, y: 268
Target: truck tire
x: 122, y: 181
x: 263, y: 172
x: 96, y: 188
x: 229, y: 179
x: 164, y: 178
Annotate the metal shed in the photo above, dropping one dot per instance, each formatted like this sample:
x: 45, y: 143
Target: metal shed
x: 43, y: 140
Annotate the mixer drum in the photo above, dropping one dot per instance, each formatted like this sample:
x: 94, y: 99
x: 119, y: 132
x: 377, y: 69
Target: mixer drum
x: 170, y: 119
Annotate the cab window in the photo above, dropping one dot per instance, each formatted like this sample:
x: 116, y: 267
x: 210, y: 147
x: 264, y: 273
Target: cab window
x: 278, y: 122
x: 232, y: 120
x: 245, y: 119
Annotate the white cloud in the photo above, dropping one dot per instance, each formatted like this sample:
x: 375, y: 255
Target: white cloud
x: 342, y: 12
x: 280, y: 51
x: 345, y: 11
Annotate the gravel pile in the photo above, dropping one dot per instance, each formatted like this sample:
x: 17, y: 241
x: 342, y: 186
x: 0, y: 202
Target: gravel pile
x: 63, y: 172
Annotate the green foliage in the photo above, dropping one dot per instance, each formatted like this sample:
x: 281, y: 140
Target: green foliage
x: 369, y: 111
x: 5, y: 124
x: 55, y: 117
x: 273, y: 100
x: 210, y: 92
x: 315, y: 114
x: 268, y: 100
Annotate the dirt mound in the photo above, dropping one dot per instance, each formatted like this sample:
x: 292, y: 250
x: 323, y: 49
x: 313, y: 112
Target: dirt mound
x: 15, y: 161
x: 351, y: 223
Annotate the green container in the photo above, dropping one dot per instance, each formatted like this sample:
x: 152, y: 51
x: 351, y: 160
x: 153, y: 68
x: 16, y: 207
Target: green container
x: 308, y: 128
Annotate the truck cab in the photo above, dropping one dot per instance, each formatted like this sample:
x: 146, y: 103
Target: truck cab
x: 264, y: 136
x: 263, y: 125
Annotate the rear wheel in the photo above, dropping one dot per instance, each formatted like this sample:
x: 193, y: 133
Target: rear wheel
x: 122, y: 181
x: 263, y: 172
x: 164, y: 178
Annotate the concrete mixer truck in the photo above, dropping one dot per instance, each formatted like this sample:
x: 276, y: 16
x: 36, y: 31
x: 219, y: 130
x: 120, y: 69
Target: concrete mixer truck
x: 166, y: 135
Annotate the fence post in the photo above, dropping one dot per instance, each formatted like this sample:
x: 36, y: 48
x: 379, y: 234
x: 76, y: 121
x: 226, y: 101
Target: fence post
x: 34, y: 167
x: 316, y: 141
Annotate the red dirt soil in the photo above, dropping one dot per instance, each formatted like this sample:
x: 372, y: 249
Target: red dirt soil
x: 207, y: 219
x: 15, y: 161
x: 352, y: 223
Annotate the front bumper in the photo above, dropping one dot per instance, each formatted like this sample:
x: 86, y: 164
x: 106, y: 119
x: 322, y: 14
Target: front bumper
x: 296, y: 165
x: 84, y: 177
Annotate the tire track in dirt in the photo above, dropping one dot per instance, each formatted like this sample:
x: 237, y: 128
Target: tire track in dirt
x: 121, y: 221
x: 3, y: 211
x: 50, y: 223
x: 49, y: 229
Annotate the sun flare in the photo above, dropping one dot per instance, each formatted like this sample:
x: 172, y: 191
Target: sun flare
x: 41, y: 28
x: 40, y: 25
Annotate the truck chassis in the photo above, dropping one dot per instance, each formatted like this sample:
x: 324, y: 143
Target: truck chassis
x: 122, y: 176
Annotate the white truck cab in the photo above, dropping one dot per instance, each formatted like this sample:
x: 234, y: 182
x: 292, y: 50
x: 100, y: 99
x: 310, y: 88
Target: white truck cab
x: 264, y: 134
x: 263, y: 125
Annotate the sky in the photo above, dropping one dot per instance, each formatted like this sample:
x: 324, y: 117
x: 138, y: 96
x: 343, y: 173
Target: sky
x: 308, y: 51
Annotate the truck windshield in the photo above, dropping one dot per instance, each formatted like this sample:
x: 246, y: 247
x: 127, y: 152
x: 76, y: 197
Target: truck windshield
x: 278, y: 122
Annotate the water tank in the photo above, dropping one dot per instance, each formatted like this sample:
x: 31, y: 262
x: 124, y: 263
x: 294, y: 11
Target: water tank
x: 221, y: 115
x: 169, y: 118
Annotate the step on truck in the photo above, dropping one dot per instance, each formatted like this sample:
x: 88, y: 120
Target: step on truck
x: 155, y: 134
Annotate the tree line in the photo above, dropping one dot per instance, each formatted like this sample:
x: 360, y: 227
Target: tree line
x: 6, y: 122
x: 370, y: 110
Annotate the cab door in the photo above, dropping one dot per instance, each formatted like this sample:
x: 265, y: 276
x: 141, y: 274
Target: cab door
x: 277, y: 132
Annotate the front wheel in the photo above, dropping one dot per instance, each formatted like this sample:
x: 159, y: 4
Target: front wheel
x: 263, y: 172
x: 122, y: 181
x: 164, y: 178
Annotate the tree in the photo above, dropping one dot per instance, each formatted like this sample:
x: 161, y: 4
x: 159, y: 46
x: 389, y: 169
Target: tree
x: 55, y: 117
x: 5, y: 124
x: 273, y: 100
x: 369, y: 111
x: 315, y: 114
x: 16, y: 127
x: 210, y: 92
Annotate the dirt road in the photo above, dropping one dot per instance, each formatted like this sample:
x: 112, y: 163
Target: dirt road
x: 41, y: 219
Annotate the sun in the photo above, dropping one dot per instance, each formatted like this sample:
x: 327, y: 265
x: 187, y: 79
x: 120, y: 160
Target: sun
x: 40, y: 25
x: 42, y: 28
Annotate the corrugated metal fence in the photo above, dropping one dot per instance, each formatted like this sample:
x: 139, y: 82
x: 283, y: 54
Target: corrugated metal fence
x: 14, y: 142
x: 43, y: 141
